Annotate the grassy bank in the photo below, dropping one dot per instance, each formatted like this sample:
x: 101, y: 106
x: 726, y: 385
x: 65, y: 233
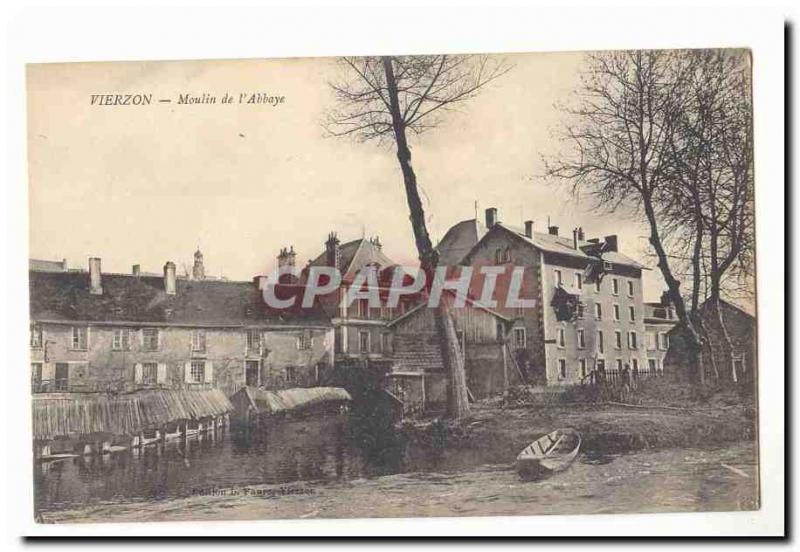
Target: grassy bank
x: 657, y: 415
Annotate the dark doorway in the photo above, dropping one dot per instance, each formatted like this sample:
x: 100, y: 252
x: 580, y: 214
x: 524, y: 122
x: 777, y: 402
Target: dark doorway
x: 251, y: 373
x: 62, y: 377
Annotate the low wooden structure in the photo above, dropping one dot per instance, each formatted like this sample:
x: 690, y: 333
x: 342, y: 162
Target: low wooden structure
x: 83, y: 423
x: 250, y: 403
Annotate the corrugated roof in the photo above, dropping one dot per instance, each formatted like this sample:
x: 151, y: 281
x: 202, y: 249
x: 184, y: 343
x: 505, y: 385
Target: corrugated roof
x: 123, y: 414
x: 127, y: 298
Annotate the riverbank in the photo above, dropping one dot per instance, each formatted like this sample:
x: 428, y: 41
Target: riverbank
x: 673, y: 480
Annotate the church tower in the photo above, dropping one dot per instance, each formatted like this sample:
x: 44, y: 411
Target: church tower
x: 198, y: 271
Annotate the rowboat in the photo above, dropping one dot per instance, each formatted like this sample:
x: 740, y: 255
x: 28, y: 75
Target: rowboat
x: 550, y: 453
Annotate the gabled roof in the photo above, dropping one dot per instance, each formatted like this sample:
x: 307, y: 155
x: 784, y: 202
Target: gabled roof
x: 741, y: 308
x: 65, y: 296
x: 561, y: 245
x: 355, y: 255
x: 467, y: 302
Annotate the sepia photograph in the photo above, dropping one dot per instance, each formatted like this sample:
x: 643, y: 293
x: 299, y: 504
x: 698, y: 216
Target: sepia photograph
x: 393, y: 286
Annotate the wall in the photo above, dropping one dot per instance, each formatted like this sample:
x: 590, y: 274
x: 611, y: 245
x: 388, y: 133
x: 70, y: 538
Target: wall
x: 103, y: 368
x: 571, y: 353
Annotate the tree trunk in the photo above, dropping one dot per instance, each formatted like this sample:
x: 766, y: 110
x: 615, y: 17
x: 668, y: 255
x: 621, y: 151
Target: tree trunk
x: 726, y: 338
x: 457, y: 403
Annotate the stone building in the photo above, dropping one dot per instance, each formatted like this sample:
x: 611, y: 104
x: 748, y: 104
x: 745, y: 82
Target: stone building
x: 742, y: 328
x: 94, y: 331
x: 588, y: 311
x: 659, y: 319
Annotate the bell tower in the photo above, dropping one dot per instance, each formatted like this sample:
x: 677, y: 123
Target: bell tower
x: 198, y: 270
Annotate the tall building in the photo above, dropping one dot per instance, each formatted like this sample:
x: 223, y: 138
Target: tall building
x: 588, y: 311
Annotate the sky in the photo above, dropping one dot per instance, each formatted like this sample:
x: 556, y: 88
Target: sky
x: 151, y: 183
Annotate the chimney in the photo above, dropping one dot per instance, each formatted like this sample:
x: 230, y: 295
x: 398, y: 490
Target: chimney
x: 581, y: 236
x: 95, y: 279
x: 64, y: 266
x: 611, y: 243
x: 332, y: 252
x: 491, y: 217
x: 529, y: 228
x: 136, y: 270
x: 575, y: 239
x: 552, y: 230
x: 665, y: 301
x: 287, y: 257
x: 169, y: 278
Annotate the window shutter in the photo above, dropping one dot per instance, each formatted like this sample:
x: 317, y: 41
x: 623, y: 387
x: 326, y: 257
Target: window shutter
x: 137, y: 373
x: 209, y: 372
x: 187, y: 371
x: 161, y: 375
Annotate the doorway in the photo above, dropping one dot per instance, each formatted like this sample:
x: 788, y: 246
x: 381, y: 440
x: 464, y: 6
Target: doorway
x: 252, y: 373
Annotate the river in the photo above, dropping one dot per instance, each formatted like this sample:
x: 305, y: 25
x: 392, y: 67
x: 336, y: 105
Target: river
x: 330, y: 458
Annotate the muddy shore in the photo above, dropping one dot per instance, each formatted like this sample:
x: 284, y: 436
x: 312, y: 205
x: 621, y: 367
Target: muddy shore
x: 650, y: 459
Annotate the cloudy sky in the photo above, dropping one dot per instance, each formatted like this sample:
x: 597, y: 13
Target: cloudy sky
x: 147, y: 184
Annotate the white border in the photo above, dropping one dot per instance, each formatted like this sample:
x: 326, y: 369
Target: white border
x: 197, y: 30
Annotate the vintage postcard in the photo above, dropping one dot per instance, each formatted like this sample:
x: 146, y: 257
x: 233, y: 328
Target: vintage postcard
x: 399, y: 286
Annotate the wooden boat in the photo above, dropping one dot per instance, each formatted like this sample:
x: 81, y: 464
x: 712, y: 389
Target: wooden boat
x: 550, y: 453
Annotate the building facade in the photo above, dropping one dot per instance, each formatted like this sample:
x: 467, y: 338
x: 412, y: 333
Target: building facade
x: 659, y: 320
x: 588, y: 311
x: 96, y: 332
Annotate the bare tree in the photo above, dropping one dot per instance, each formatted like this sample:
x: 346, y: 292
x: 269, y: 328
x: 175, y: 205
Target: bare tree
x: 384, y: 99
x: 616, y: 137
x: 712, y: 160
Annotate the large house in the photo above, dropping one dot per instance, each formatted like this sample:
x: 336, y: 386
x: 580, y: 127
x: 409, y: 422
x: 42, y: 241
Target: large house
x: 589, y: 311
x: 659, y: 320
x: 95, y: 331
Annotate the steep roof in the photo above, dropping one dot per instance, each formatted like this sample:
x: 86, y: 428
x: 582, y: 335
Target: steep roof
x: 459, y: 240
x: 64, y: 296
x: 562, y: 245
x: 355, y: 255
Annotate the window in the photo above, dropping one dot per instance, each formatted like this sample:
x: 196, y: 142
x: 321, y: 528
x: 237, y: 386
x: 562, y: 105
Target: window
x: 561, y: 339
x: 615, y: 286
x: 36, y: 336
x: 363, y: 342
x: 199, y: 341
x: 597, y: 286
x: 664, y: 341
x: 557, y: 275
x: 149, y: 373
x: 630, y: 288
x: 580, y: 311
x: 252, y: 371
x: 579, y: 280
x: 598, y: 311
x: 507, y: 255
x: 197, y: 373
x: 291, y: 375
x: 600, y: 341
x: 36, y: 375
x: 254, y: 341
x: 362, y: 308
x: 150, y: 339
x: 385, y: 342
x: 80, y: 339
x: 651, y: 341
x: 632, y: 340
x: 581, y: 338
x: 562, y: 368
x: 305, y: 340
x: 619, y: 364
x: 121, y: 340
x: 618, y: 339
x: 616, y: 313
x: 635, y: 364
x: 632, y: 313
x: 651, y: 365
x: 520, y: 339
x: 582, y: 366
